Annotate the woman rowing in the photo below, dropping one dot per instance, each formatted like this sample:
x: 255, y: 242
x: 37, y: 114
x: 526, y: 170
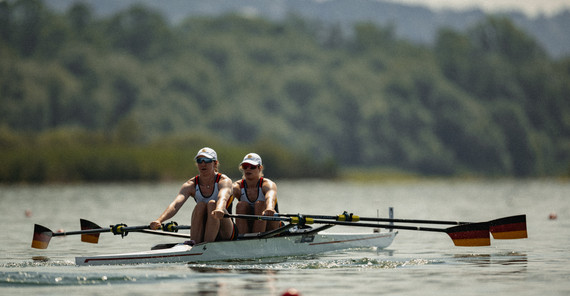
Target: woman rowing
x: 212, y: 193
x: 257, y: 196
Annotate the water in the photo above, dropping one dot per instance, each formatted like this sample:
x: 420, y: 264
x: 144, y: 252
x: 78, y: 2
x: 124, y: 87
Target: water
x: 417, y: 263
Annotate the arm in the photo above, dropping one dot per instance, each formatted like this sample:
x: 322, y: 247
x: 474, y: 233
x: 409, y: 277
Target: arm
x: 269, y: 188
x: 224, y: 192
x: 236, y: 191
x: 175, y: 206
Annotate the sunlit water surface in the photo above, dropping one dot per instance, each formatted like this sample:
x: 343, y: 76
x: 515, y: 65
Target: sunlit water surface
x: 417, y: 263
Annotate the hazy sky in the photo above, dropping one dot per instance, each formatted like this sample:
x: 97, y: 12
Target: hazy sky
x: 531, y: 7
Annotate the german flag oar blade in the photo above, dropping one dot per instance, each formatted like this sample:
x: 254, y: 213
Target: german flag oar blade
x: 42, y: 236
x: 470, y: 235
x: 513, y: 227
x: 89, y: 237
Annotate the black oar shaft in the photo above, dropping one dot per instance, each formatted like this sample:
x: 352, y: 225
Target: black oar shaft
x: 86, y: 231
x: 413, y: 221
x: 371, y: 219
x: 164, y: 233
x: 101, y: 230
x: 387, y: 226
x: 343, y: 223
x: 254, y: 217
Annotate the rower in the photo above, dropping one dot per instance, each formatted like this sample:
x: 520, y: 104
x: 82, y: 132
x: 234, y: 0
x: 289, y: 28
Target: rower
x: 212, y: 192
x: 256, y: 195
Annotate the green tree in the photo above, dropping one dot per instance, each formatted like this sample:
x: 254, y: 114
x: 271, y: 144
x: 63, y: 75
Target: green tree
x: 141, y: 32
x: 26, y: 19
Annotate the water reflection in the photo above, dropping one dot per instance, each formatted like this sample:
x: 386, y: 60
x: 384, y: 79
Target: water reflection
x: 385, y: 252
x: 232, y: 269
x: 216, y: 287
x: 486, y: 260
x: 267, y: 284
x: 219, y: 286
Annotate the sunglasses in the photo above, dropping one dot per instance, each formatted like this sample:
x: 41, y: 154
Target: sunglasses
x: 203, y: 160
x: 246, y: 166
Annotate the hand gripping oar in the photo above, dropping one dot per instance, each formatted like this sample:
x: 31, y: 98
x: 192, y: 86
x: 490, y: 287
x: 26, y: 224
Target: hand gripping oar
x: 512, y: 227
x: 474, y: 234
x: 90, y: 232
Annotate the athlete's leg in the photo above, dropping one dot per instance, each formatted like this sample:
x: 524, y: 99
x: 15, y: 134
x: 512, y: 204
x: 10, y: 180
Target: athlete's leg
x: 212, y: 224
x: 243, y: 225
x: 259, y: 225
x: 198, y: 222
x: 226, y: 228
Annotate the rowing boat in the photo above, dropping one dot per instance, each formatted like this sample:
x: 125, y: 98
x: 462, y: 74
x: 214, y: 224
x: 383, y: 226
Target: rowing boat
x: 293, y: 239
x: 291, y: 244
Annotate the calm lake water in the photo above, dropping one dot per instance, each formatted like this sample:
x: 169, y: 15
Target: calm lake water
x: 417, y: 263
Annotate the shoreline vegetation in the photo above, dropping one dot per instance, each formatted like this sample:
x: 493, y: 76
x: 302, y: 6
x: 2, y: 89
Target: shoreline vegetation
x: 74, y: 156
x: 79, y: 156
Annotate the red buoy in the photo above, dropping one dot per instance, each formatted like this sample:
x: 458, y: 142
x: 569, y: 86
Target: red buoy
x: 291, y: 292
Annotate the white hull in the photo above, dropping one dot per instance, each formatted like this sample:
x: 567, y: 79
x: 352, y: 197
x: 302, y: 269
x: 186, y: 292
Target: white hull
x: 292, y: 245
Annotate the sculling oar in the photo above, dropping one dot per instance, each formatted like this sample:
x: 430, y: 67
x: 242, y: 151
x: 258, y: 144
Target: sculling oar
x: 123, y: 230
x: 512, y: 227
x: 42, y: 234
x: 473, y: 234
x: 90, y: 232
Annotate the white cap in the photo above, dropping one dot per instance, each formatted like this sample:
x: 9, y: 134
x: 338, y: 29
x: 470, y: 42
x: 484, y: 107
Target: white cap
x: 208, y: 153
x: 252, y: 158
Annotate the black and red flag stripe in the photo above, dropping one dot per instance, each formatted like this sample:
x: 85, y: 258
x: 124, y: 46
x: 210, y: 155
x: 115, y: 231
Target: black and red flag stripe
x: 509, y: 228
x: 473, y: 234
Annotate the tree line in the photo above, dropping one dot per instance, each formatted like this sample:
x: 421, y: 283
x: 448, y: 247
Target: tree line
x: 132, y: 87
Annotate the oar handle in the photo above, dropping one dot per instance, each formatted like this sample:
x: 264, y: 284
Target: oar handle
x: 173, y: 226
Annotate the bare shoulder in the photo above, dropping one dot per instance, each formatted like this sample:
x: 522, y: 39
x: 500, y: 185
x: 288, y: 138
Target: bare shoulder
x: 267, y: 181
x: 268, y: 184
x: 225, y: 180
x: 189, y: 187
x: 190, y: 183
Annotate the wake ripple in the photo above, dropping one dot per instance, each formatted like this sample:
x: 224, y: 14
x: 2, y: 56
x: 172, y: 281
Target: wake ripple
x: 296, y: 264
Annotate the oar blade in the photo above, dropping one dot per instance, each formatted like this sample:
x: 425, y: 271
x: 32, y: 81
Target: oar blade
x: 92, y: 238
x: 470, y: 235
x: 42, y: 236
x: 513, y: 227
